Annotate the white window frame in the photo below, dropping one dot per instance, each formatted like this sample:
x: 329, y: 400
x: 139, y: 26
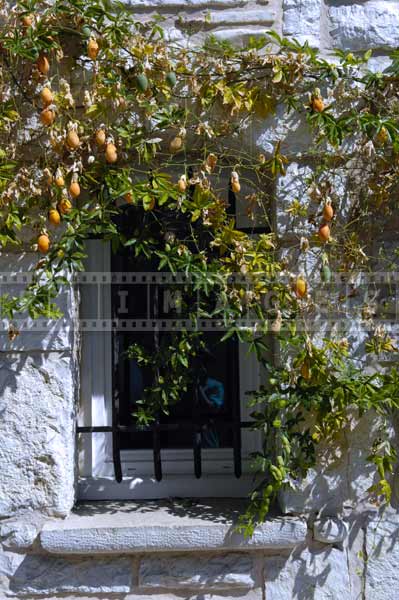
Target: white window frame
x: 96, y: 463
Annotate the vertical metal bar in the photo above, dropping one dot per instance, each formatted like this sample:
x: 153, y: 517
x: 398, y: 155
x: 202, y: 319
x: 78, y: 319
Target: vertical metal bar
x: 115, y: 350
x: 235, y: 383
x: 197, y: 432
x: 156, y: 449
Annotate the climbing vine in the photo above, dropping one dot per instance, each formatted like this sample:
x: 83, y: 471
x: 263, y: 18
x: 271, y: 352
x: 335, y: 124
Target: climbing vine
x: 103, y: 116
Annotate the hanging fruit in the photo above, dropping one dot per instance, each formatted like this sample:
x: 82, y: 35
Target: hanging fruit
x: 317, y: 101
x: 59, y: 178
x: 182, y: 184
x: 54, y: 217
x: 142, y: 82
x: 65, y: 206
x: 47, y: 117
x: 300, y: 286
x: 46, y: 96
x: 100, y: 137
x: 27, y: 21
x: 328, y: 211
x: 211, y: 161
x: 86, y: 31
x: 43, y: 243
x: 92, y: 49
x: 111, y: 155
x: 235, y: 182
x: 129, y: 197
x: 176, y: 144
x: 171, y: 79
x: 43, y: 64
x: 325, y: 273
x: 324, y: 232
x: 74, y: 188
x: 72, y: 139
x: 305, y: 370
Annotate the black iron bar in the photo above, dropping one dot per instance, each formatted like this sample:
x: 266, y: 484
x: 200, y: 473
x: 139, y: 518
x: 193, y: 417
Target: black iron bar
x: 156, y: 450
x: 161, y: 427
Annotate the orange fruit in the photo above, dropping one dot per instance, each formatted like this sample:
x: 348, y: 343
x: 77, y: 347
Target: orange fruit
x: 111, y: 155
x: 54, y: 217
x: 300, y: 287
x: 27, y: 20
x: 100, y: 137
x: 211, y: 161
x: 74, y: 189
x: 43, y: 243
x: 235, y: 186
x: 176, y: 144
x: 65, y: 206
x: 318, y: 104
x: 182, y: 184
x: 43, y: 64
x: 92, y: 49
x: 328, y: 211
x: 47, y: 116
x: 324, y: 232
x: 129, y: 197
x: 59, y: 179
x: 72, y: 140
x: 47, y: 96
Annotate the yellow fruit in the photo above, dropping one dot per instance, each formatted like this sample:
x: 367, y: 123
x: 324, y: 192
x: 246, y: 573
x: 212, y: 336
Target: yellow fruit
x: 65, y: 206
x: 129, y: 197
x: 47, y: 96
x: 74, y: 189
x: 47, y: 116
x: 328, y: 211
x: 59, y: 180
x: 27, y: 20
x: 235, y: 186
x: 182, y: 184
x: 43, y: 64
x: 305, y: 371
x: 72, y: 139
x: 382, y: 135
x: 54, y: 217
x: 318, y: 104
x: 324, y: 232
x: 43, y: 243
x: 92, y: 49
x: 100, y: 137
x: 211, y: 161
x: 176, y: 144
x: 300, y: 287
x: 111, y: 155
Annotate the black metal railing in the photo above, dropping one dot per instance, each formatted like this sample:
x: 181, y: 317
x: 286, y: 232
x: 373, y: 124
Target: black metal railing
x: 196, y: 426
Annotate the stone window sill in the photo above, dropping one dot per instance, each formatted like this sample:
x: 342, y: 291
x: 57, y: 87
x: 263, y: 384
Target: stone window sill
x: 165, y: 526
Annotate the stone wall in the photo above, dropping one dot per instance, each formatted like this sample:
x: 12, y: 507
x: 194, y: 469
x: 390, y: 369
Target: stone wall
x: 349, y: 549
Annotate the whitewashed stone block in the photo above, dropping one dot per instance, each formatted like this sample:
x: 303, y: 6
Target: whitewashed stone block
x: 37, y: 433
x: 213, y: 572
x: 343, y: 480
x: 360, y: 26
x: 239, y: 36
x: 301, y: 20
x: 292, y: 186
x: 22, y: 532
x: 9, y: 564
x: 173, y: 5
x: 40, y: 334
x: 331, y: 530
x: 382, y: 557
x: 40, y: 575
x: 320, y: 575
x: 232, y: 17
x: 291, y: 130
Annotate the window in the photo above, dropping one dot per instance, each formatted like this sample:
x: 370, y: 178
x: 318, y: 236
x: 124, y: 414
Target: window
x: 199, y: 449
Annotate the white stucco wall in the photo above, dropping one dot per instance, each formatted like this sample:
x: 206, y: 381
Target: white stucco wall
x: 346, y: 550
